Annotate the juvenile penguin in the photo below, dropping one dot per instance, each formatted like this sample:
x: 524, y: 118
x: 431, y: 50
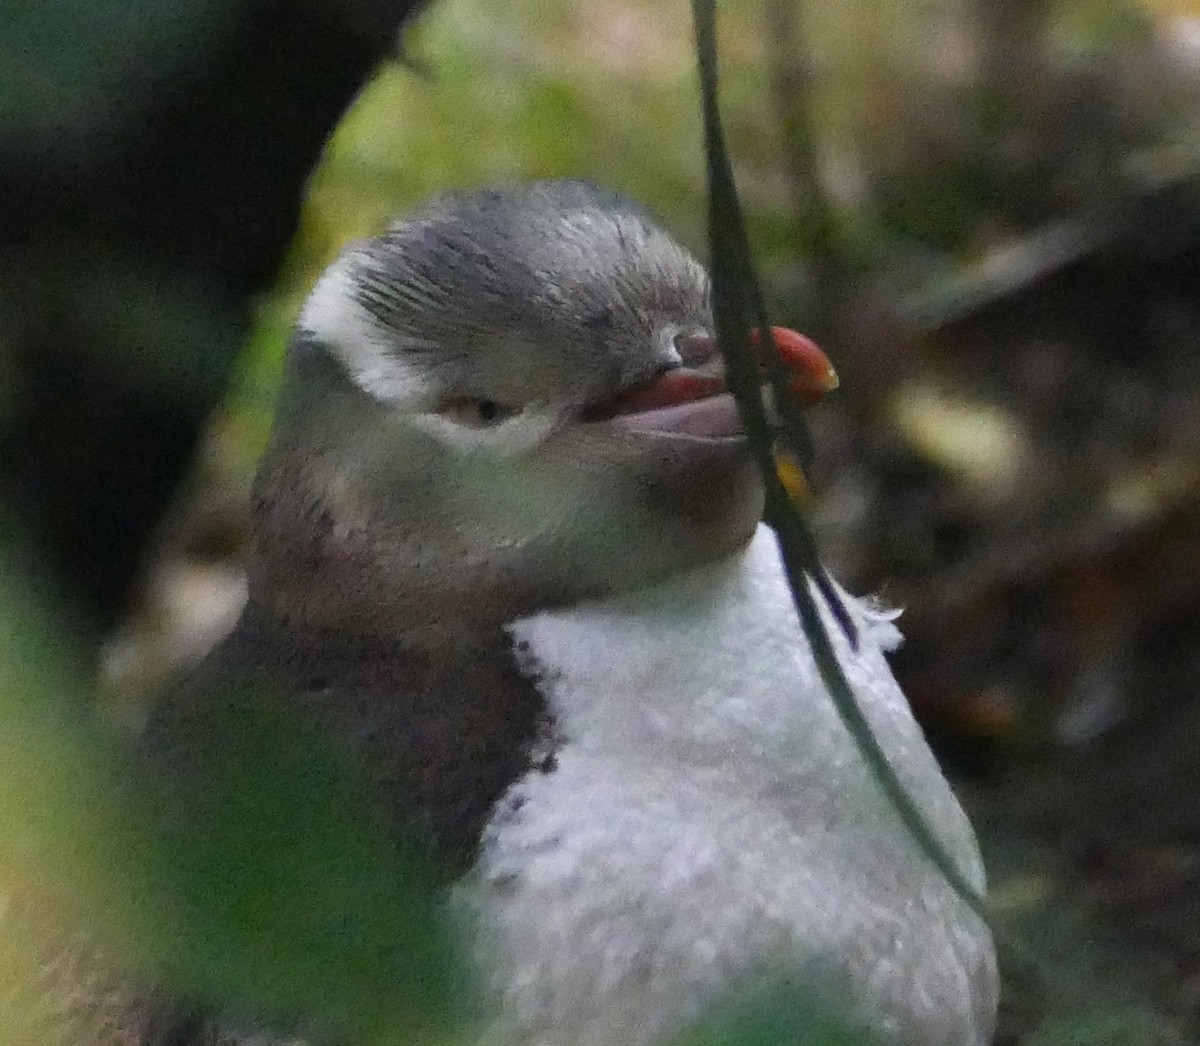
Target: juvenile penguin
x: 508, y: 550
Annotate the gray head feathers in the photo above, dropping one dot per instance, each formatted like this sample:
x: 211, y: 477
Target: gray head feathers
x: 474, y: 279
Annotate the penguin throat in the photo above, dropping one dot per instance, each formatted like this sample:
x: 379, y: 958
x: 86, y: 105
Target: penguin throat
x: 707, y: 667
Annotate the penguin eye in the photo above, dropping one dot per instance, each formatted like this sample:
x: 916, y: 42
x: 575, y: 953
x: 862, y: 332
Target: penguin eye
x: 478, y: 413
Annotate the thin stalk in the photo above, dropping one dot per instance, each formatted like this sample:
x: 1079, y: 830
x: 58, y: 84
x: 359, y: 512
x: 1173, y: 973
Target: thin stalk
x: 738, y: 305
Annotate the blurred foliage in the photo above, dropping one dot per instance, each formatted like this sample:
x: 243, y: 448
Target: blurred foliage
x: 294, y: 898
x: 773, y: 1012
x: 66, y: 835
x: 269, y: 886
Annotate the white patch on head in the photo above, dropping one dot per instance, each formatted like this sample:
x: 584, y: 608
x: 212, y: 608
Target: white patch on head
x: 373, y: 356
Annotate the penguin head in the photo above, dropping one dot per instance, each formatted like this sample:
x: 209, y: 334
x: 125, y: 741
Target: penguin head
x: 509, y: 400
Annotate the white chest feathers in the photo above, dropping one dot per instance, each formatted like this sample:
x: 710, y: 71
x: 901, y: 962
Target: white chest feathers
x: 709, y: 822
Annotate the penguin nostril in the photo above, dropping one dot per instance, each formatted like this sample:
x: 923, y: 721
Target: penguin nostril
x: 696, y: 348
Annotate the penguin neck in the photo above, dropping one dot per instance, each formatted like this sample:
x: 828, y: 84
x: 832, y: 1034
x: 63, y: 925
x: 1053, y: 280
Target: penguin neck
x: 706, y: 669
x: 394, y: 640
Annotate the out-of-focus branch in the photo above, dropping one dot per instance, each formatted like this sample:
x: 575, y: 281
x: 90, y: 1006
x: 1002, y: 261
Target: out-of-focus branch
x: 737, y: 303
x: 137, y: 221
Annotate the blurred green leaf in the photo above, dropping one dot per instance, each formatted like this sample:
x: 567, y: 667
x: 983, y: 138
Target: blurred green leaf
x: 293, y: 899
x: 264, y: 882
x: 776, y: 1012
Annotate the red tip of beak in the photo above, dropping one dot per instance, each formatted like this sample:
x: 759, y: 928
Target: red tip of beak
x: 812, y: 373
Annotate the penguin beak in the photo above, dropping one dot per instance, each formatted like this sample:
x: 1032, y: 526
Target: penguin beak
x: 693, y: 400
x: 812, y: 375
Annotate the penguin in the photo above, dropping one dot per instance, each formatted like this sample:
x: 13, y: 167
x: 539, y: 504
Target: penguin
x: 508, y: 551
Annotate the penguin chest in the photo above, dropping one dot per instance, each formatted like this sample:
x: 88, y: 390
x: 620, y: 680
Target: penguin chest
x: 704, y: 822
x: 613, y: 901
